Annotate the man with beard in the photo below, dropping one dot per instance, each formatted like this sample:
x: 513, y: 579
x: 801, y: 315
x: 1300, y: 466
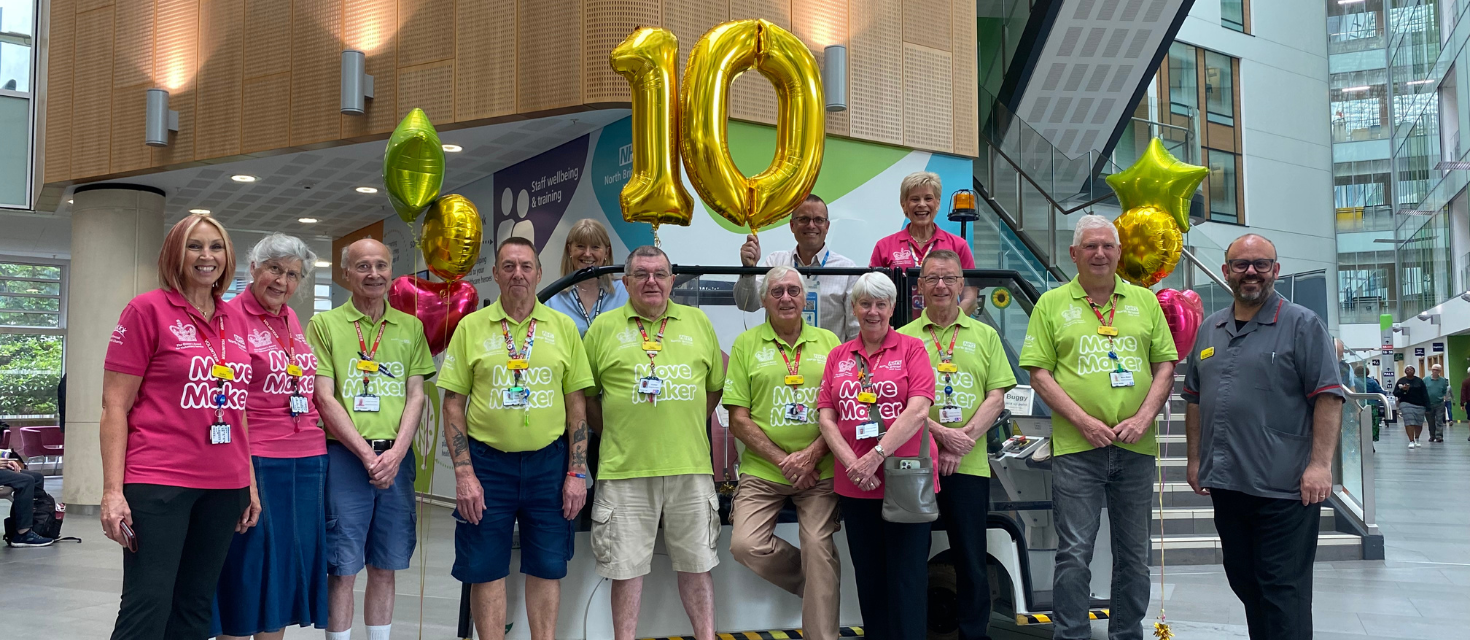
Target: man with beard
x: 1264, y: 404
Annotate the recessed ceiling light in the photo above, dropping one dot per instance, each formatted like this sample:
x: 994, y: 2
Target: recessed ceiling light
x: 68, y: 201
x: 367, y: 189
x: 306, y: 220
x: 452, y: 148
x: 242, y: 178
x: 322, y: 264
x: 199, y: 211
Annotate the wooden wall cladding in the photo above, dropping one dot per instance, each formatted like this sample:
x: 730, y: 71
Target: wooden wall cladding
x: 250, y: 76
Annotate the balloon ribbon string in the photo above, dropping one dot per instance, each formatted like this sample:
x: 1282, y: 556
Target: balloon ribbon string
x: 1161, y: 630
x: 416, y: 230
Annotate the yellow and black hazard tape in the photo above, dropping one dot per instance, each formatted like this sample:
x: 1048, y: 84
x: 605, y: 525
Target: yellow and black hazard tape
x: 775, y: 634
x: 1041, y: 618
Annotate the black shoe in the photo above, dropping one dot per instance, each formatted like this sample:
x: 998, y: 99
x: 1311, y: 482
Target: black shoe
x: 31, y: 539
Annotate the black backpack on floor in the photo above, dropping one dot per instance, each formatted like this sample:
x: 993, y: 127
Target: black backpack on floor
x: 48, y: 518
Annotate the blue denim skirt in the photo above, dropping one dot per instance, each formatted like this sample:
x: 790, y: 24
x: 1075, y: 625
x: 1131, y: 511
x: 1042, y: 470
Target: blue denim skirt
x: 276, y: 573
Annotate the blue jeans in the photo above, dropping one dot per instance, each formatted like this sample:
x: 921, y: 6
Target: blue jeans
x: 1082, y: 484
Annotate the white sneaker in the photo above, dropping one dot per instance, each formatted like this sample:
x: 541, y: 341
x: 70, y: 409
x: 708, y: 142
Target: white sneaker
x: 1418, y: 444
x: 1411, y: 444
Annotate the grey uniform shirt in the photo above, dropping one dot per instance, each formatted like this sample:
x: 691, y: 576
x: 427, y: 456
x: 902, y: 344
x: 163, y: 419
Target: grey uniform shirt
x: 1256, y: 388
x: 833, y: 311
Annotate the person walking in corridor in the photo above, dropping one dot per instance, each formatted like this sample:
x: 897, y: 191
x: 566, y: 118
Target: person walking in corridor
x: 1413, y: 401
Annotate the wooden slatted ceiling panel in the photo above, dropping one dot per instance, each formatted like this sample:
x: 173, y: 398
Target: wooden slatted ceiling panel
x: 83, y: 6
x: 752, y: 97
x: 369, y: 28
x: 429, y: 87
x: 132, y: 61
x: 92, y: 93
x: 606, y: 23
x: 425, y: 31
x: 927, y: 22
x: 549, y: 42
x: 129, y: 104
x: 265, y: 113
x: 60, y: 70
x: 875, y: 71
x: 690, y: 19
x: 485, y: 59
x: 221, y: 73
x: 966, y: 80
x: 268, y: 32
x: 928, y: 98
x: 316, y: 67
x: 175, y: 67
x: 821, y: 23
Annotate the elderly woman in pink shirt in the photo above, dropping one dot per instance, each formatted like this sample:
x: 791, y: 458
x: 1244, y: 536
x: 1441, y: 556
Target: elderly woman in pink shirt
x: 889, y: 560
x: 921, y: 195
x: 176, y: 477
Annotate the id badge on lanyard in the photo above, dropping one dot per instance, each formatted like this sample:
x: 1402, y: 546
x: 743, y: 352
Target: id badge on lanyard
x: 868, y: 428
x: 809, y: 310
x: 219, y: 430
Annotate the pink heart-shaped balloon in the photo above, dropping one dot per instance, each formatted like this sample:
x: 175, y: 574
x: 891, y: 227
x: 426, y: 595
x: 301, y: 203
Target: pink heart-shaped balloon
x: 1184, y: 312
x: 439, y: 305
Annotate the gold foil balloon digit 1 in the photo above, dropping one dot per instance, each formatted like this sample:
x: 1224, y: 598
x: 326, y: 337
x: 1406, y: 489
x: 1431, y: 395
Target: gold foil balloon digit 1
x: 413, y: 166
x: 654, y: 193
x: 452, y: 236
x: 722, y: 54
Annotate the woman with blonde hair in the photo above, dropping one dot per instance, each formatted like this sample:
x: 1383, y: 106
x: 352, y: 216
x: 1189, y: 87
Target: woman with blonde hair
x: 921, y: 195
x: 176, y: 477
x: 588, y: 245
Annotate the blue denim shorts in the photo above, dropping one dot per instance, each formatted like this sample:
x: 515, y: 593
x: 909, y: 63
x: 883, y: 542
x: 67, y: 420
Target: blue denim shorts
x: 365, y: 524
x: 523, y: 486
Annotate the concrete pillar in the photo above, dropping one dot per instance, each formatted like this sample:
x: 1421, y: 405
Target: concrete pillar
x: 116, y: 233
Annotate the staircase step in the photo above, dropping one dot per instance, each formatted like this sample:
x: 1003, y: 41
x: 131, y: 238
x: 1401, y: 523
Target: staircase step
x: 1205, y: 549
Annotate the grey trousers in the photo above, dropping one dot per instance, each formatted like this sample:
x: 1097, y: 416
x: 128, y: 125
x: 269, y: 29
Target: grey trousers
x: 1082, y: 484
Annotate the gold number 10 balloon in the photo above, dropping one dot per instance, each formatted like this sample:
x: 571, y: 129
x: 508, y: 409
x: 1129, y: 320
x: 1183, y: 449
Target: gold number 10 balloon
x: 654, y: 193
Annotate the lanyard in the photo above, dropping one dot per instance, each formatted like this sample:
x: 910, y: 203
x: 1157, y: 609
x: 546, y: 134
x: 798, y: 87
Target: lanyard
x: 657, y: 340
x: 796, y: 258
x: 367, y: 355
x: 792, y: 369
x: 866, y: 382
x: 918, y: 259
x: 1106, y: 328
x: 596, y: 306
x: 1098, y: 312
x: 945, y: 356
x: 220, y: 371
x: 524, y: 355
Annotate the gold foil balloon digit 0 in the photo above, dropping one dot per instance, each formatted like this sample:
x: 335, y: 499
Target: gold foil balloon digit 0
x: 453, y: 232
x: 413, y: 166
x: 723, y: 53
x: 654, y: 193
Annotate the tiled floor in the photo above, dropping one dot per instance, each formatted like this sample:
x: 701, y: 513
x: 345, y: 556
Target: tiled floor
x: 1421, y: 591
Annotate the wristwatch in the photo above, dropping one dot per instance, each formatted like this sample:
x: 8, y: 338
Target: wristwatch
x: 879, y: 449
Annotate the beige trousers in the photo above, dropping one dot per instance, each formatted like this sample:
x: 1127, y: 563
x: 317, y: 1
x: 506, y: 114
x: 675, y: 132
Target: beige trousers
x: 812, y: 572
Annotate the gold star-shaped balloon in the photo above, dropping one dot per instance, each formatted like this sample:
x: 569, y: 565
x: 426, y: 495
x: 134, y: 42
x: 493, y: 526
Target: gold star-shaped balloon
x: 1159, y: 179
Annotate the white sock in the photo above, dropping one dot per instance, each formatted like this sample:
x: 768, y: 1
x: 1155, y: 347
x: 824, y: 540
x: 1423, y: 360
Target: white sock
x: 379, y: 632
x: 339, y: 635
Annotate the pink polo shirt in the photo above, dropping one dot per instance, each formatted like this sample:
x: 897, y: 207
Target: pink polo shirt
x: 273, y: 432
x: 901, y: 250
x: 161, y: 338
x: 900, y: 370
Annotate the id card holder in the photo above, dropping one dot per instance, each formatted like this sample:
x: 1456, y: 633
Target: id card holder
x: 796, y: 412
x: 518, y: 364
x: 795, y: 380
x: 650, y: 385
x: 1121, y: 378
x: 365, y: 403
x: 219, y: 433
x: 649, y: 345
x: 293, y: 370
x: 221, y: 372
x: 368, y: 366
x: 298, y: 405
x: 951, y: 413
x: 867, y: 430
x: 867, y: 397
x: 947, y: 367
x: 809, y: 310
x: 514, y: 397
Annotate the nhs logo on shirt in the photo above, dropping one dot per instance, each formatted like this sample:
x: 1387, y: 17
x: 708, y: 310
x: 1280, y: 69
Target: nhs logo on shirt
x: 1131, y: 310
x: 891, y: 365
x: 186, y: 333
x: 966, y: 346
x: 685, y: 340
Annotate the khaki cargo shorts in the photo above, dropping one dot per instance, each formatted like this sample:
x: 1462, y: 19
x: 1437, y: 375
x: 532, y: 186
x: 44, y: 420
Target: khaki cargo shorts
x: 626, y: 515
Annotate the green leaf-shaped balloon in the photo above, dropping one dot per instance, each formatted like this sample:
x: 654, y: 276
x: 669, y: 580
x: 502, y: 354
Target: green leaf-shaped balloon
x: 413, y: 166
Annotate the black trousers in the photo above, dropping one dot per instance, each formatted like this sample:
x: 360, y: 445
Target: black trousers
x: 963, y: 506
x: 1269, y: 546
x: 890, y: 563
x: 22, y: 500
x: 183, y: 538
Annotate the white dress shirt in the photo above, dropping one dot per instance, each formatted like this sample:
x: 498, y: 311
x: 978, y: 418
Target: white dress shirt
x: 833, y: 312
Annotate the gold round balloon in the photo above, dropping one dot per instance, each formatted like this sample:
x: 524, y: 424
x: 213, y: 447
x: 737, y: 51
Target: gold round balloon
x: 723, y: 53
x: 654, y: 193
x: 452, y: 235
x: 413, y: 166
x: 1151, y: 244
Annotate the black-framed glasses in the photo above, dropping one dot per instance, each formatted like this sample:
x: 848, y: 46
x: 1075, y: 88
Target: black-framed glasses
x: 949, y: 281
x: 802, y: 221
x: 1262, y: 265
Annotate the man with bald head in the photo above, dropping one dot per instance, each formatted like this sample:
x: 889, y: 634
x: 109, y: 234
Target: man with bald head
x: 1264, y: 404
x: 372, y: 360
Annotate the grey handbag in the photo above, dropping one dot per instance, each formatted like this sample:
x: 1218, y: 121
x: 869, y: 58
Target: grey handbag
x: 908, y: 486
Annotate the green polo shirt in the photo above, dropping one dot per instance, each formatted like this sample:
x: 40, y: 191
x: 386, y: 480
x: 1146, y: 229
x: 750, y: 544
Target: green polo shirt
x: 982, y: 365
x: 403, y: 352
x: 640, y: 440
x: 1063, y: 339
x: 476, y: 365
x: 757, y: 381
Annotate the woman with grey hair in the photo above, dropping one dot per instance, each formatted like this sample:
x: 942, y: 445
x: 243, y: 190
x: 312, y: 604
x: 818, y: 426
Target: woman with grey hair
x: 875, y: 395
x: 922, y: 195
x: 276, y: 573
